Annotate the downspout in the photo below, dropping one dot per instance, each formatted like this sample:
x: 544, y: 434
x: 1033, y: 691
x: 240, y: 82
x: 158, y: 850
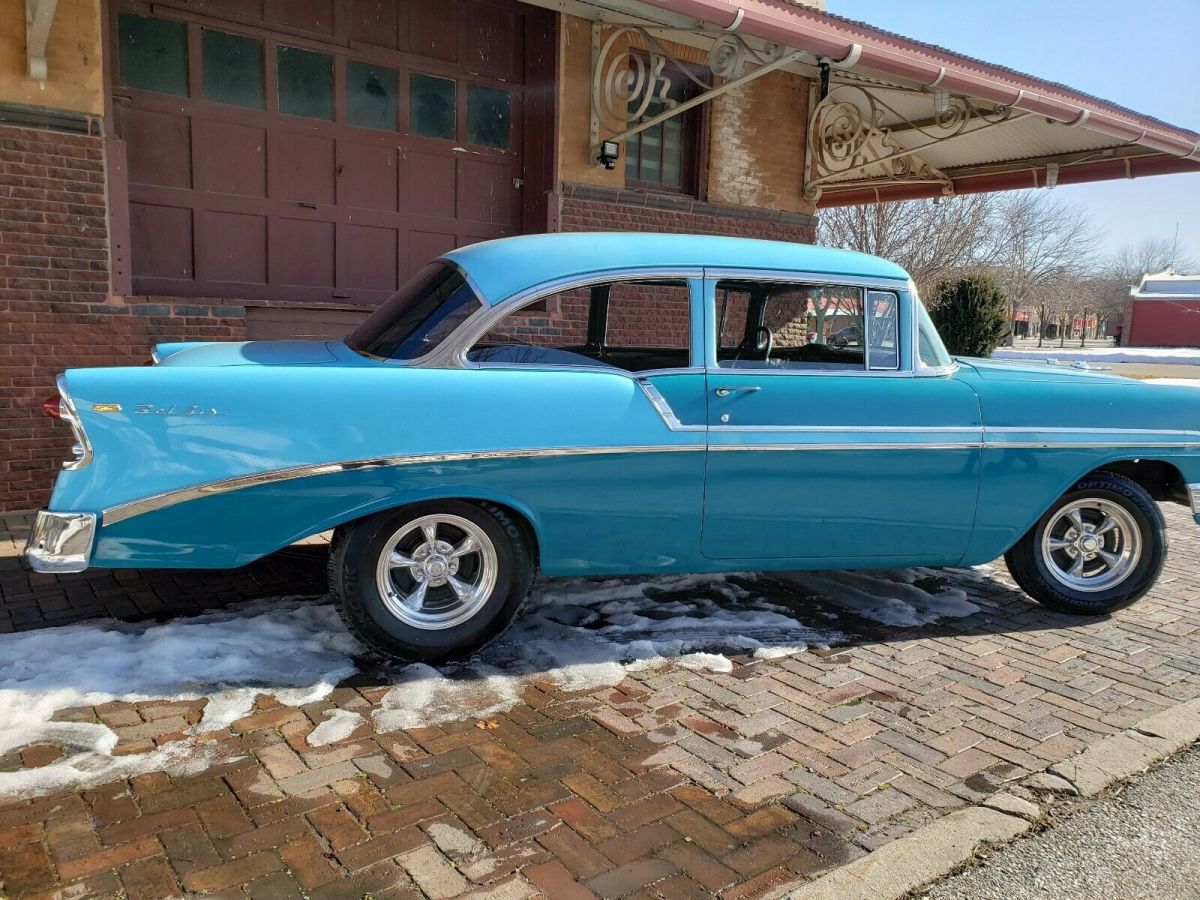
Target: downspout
x: 801, y: 29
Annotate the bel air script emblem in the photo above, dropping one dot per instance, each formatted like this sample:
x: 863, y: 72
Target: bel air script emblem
x: 153, y: 409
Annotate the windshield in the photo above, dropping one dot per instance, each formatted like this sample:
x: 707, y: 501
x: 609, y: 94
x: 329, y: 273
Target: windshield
x: 415, y: 320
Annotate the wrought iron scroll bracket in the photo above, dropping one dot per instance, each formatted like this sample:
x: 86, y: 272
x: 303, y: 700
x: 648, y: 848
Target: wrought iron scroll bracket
x: 854, y: 136
x: 631, y: 69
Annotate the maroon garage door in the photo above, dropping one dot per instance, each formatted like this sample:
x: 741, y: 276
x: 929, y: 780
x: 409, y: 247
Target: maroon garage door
x: 322, y: 157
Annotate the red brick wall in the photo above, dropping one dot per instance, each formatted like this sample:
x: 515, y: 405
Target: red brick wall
x: 55, y: 311
x: 588, y: 208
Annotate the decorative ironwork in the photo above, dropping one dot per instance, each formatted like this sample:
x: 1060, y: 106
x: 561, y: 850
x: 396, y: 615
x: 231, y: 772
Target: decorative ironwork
x: 848, y: 136
x: 630, y: 71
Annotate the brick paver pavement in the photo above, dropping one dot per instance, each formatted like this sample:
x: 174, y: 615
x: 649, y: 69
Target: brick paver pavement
x: 675, y: 783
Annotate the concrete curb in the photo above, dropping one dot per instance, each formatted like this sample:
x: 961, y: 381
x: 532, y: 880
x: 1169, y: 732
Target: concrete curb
x: 937, y: 849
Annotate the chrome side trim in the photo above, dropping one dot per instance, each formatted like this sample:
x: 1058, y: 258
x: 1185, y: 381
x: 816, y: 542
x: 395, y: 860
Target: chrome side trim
x: 69, y: 414
x: 1090, y: 445
x: 853, y: 429
x: 958, y: 445
x: 128, y: 510
x: 60, y: 542
x: 911, y: 445
x: 663, y: 408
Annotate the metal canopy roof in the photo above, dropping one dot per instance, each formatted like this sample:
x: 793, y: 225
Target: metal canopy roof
x: 900, y: 119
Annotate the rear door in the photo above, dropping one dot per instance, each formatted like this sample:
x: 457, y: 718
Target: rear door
x: 826, y: 445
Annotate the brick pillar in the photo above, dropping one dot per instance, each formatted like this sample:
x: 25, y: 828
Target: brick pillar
x: 56, y: 312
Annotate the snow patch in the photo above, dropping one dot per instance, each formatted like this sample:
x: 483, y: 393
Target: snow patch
x: 1182, y: 382
x: 338, y: 725
x: 1160, y: 355
x: 294, y: 650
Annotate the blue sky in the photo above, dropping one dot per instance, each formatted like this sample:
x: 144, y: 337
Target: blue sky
x: 1144, y: 55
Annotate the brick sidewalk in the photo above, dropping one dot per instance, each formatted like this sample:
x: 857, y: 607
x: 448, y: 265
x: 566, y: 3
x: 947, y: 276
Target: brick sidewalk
x: 676, y: 783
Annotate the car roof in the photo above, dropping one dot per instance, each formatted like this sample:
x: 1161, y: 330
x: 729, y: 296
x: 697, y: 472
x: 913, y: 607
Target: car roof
x: 504, y: 267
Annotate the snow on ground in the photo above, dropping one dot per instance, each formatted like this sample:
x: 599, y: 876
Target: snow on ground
x: 580, y: 635
x: 294, y: 649
x: 1160, y: 355
x: 1185, y: 382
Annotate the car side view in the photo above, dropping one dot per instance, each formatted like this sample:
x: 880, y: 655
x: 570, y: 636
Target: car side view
x: 619, y: 404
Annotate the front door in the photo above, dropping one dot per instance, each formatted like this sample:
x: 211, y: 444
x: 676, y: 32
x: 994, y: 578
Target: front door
x: 822, y: 442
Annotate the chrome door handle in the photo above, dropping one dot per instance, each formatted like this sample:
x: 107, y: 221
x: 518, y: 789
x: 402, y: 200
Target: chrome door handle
x: 742, y: 389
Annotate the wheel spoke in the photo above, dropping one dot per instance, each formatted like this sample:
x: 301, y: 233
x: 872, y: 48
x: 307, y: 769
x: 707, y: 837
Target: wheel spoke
x: 1077, y: 518
x: 398, y: 560
x: 1077, y: 566
x: 1107, y: 525
x: 429, y: 529
x: 1059, y: 543
x: 467, y: 545
x: 1110, y: 559
x: 461, y: 589
x: 416, y: 597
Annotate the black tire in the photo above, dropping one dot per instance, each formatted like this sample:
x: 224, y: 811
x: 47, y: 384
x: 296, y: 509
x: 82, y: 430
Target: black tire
x: 1030, y: 571
x: 355, y: 553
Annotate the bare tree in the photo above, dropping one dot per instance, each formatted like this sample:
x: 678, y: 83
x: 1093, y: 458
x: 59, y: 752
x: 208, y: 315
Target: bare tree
x: 1133, y: 261
x: 930, y: 238
x: 1037, y: 238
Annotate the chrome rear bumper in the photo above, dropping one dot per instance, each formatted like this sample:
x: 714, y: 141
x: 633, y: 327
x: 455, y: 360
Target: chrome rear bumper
x: 61, y: 542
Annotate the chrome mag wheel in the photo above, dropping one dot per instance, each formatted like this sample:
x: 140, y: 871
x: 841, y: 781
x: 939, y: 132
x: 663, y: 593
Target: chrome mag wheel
x: 1091, y: 545
x: 437, y: 571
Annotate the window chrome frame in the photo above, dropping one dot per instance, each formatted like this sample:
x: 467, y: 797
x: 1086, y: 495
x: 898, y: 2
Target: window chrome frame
x: 902, y: 290
x: 482, y: 321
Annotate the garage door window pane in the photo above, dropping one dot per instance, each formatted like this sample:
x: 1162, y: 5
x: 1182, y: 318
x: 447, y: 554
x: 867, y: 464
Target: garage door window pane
x: 233, y: 69
x: 488, y: 116
x: 432, y: 105
x: 153, y: 54
x: 370, y: 95
x: 305, y: 83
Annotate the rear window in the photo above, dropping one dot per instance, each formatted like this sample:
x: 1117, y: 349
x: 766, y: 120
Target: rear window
x: 418, y: 318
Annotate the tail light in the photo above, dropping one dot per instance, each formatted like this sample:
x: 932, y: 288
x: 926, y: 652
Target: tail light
x: 60, y: 406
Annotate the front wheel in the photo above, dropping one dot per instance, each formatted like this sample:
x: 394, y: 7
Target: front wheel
x: 1098, y: 549
x: 432, y: 581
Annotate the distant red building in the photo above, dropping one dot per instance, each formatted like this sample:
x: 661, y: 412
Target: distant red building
x: 1163, y: 311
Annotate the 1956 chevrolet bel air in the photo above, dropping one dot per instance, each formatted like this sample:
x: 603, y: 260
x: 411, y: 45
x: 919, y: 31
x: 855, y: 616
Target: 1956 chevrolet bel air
x: 602, y: 404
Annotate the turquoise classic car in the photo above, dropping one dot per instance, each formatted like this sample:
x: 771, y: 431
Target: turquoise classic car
x: 615, y: 404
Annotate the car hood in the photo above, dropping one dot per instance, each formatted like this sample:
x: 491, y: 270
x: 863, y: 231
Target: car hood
x: 1008, y: 370
x: 249, y: 353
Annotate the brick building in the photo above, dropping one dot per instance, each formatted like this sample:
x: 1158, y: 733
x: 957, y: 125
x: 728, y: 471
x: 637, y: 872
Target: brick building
x: 242, y: 169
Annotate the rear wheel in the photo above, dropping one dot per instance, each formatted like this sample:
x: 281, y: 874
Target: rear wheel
x: 432, y: 581
x: 1098, y: 549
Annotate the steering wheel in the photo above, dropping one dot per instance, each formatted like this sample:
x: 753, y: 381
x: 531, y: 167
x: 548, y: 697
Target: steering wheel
x: 764, y: 341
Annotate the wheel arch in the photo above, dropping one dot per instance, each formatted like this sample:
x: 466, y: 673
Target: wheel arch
x: 520, y: 513
x: 1160, y: 478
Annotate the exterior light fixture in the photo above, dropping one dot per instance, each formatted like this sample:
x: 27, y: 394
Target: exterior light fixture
x: 1051, y: 174
x: 941, y: 100
x: 610, y: 152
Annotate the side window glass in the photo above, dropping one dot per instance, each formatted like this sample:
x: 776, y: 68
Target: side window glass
x: 632, y: 325
x: 789, y: 326
x: 883, y: 330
